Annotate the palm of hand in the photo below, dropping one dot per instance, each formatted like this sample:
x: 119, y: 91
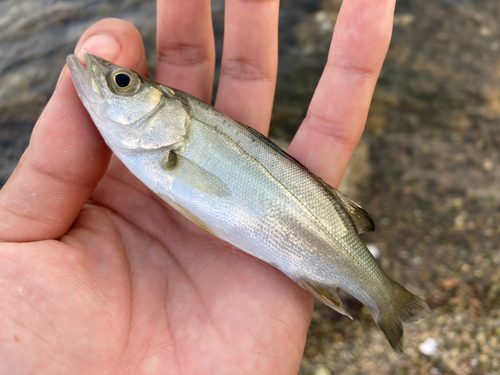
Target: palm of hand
x: 122, y: 283
x: 134, y: 285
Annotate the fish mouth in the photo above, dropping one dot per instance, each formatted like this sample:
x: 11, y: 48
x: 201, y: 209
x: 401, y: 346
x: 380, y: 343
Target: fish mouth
x: 84, y: 78
x: 87, y: 84
x: 79, y: 74
x: 89, y: 81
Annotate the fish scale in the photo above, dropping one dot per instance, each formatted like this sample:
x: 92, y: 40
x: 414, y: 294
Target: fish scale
x: 298, y: 182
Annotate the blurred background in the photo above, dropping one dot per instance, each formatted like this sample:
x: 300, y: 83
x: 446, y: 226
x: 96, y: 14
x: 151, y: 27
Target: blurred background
x: 426, y: 168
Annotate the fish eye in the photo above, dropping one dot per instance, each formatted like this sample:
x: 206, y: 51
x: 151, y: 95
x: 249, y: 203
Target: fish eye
x: 122, y: 80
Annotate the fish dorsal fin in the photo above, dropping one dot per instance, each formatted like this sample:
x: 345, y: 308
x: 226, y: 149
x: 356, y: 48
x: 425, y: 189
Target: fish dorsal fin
x: 328, y: 295
x: 361, y: 220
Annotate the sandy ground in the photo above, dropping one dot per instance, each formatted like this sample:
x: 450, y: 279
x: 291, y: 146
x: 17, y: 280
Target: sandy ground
x: 427, y: 170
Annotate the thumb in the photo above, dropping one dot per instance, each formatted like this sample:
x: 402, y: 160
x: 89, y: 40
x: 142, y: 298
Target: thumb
x: 67, y: 156
x: 57, y: 172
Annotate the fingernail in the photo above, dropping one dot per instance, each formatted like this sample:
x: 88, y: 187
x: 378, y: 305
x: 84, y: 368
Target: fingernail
x: 101, y: 45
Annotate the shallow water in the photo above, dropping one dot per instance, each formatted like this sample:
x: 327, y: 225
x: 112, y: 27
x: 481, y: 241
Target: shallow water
x: 426, y: 169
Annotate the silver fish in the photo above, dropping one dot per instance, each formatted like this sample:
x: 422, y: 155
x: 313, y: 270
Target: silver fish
x: 238, y: 185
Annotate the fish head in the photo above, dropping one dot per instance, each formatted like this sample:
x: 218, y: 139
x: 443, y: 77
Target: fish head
x: 125, y: 105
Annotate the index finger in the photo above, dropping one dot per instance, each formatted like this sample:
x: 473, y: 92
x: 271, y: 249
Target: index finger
x: 337, y: 114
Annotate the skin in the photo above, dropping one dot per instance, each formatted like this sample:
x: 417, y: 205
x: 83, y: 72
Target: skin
x: 98, y: 275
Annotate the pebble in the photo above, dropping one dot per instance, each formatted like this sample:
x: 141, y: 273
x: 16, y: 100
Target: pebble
x: 429, y: 346
x: 322, y: 370
x: 374, y: 250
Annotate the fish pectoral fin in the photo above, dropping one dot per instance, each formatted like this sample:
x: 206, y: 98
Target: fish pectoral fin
x: 362, y: 221
x: 192, y: 174
x: 326, y: 294
x: 169, y: 162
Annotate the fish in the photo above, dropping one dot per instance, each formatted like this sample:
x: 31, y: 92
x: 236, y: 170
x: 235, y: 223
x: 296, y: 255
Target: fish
x: 238, y: 185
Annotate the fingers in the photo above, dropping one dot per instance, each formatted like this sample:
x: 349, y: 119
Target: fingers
x: 66, y: 157
x: 249, y: 61
x: 185, y: 46
x: 117, y: 41
x: 337, y: 114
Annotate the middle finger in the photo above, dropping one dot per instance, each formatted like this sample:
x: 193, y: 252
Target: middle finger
x: 185, y: 46
x: 249, y: 61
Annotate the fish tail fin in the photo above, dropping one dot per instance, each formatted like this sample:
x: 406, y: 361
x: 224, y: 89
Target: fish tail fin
x: 326, y: 294
x: 405, y: 307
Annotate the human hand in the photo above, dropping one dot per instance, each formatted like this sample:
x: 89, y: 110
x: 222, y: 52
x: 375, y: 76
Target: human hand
x: 98, y: 275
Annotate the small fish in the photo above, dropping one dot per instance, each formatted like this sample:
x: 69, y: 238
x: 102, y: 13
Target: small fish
x: 238, y: 185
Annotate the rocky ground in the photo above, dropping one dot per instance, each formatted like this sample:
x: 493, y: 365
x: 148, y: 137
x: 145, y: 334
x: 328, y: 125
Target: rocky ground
x: 430, y: 178
x: 426, y: 169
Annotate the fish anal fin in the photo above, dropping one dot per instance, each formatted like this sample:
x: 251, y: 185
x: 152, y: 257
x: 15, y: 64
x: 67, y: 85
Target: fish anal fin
x: 361, y: 220
x: 328, y: 295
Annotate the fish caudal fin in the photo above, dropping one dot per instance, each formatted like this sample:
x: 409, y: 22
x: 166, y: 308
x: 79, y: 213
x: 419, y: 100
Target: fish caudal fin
x: 328, y: 295
x: 405, y: 307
